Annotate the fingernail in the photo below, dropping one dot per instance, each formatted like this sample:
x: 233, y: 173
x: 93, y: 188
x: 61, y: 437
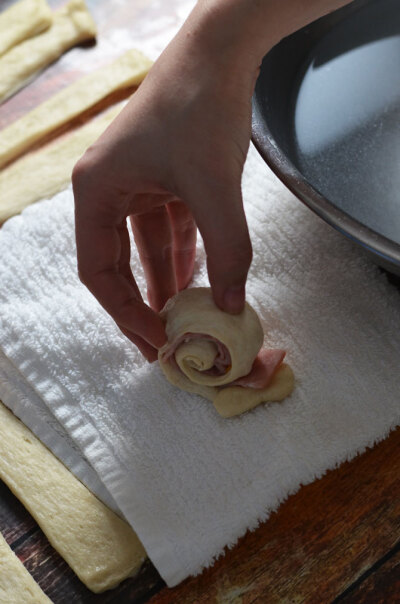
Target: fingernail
x: 234, y: 299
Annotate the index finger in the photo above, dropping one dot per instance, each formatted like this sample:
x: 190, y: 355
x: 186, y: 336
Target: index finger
x: 219, y: 214
x: 100, y: 248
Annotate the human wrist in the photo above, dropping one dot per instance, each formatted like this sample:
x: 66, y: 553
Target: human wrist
x: 227, y: 30
x: 253, y: 27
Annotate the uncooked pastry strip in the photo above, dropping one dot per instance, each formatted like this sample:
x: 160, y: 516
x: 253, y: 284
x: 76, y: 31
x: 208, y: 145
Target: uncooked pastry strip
x: 23, y: 20
x: 47, y: 171
x: 99, y: 546
x: 71, y: 25
x: 209, y: 351
x: 16, y: 584
x: 128, y: 70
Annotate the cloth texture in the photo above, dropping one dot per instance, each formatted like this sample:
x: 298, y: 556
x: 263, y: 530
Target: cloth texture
x: 188, y: 481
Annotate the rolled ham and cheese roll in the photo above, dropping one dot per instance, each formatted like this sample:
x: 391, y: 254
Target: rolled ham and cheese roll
x: 219, y: 355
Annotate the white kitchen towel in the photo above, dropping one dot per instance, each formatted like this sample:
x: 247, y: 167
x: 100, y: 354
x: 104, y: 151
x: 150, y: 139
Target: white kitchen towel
x: 188, y: 481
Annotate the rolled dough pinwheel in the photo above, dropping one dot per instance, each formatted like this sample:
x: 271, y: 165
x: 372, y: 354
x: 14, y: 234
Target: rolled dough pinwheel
x: 219, y: 355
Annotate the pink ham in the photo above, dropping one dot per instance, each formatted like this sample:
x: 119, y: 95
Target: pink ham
x: 264, y: 367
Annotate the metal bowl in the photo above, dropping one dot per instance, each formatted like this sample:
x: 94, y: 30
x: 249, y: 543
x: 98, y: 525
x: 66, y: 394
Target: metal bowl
x: 326, y: 118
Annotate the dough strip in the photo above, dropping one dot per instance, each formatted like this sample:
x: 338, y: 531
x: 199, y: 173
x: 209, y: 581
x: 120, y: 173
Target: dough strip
x: 23, y: 20
x: 16, y: 584
x: 47, y: 171
x: 127, y: 70
x: 99, y: 546
x: 71, y: 25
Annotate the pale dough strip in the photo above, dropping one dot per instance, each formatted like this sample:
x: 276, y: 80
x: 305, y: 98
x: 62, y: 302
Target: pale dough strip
x: 128, y: 70
x: 16, y: 584
x: 99, y: 546
x: 48, y: 170
x: 23, y: 20
x: 71, y: 24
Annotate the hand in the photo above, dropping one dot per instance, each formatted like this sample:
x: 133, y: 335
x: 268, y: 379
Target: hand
x: 171, y: 160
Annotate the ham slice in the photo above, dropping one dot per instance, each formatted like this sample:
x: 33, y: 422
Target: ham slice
x: 263, y: 370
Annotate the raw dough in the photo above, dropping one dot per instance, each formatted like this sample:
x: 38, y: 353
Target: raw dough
x: 232, y: 400
x: 16, y: 584
x: 48, y: 170
x: 23, y: 20
x: 99, y: 546
x: 193, y: 311
x: 128, y: 70
x: 71, y: 24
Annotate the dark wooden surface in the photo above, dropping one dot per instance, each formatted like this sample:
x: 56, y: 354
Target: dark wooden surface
x: 336, y: 540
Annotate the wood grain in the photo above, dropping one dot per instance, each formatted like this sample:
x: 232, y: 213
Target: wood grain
x: 321, y: 541
x: 379, y: 584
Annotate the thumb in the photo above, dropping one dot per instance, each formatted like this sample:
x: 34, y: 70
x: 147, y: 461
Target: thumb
x: 222, y: 223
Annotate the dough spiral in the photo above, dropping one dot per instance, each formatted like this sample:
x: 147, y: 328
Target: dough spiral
x: 219, y: 355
